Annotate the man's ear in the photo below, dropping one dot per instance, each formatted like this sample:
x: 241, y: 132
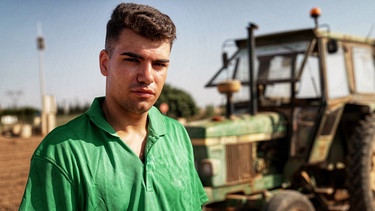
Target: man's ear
x: 103, y: 62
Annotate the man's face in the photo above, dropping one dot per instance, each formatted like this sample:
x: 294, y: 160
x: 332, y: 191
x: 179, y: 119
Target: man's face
x: 136, y: 72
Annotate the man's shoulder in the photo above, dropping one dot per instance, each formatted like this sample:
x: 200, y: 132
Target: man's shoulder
x: 65, y: 135
x: 71, y: 128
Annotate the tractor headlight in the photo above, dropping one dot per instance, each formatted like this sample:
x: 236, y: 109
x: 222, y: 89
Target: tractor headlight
x: 210, y: 167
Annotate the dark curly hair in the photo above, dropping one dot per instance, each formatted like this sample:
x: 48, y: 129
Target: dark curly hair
x: 142, y: 19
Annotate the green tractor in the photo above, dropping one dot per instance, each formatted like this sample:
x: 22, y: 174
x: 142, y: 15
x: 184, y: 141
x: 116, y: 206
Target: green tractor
x: 299, y: 129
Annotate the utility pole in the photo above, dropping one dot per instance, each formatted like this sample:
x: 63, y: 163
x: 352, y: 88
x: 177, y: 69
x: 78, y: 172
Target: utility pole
x: 48, y: 113
x: 41, y: 46
x: 14, y: 96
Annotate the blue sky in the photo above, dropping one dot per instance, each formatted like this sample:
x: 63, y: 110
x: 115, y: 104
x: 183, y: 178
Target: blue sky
x: 74, y: 31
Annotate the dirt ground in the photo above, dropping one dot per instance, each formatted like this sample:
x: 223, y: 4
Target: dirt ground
x: 15, y: 154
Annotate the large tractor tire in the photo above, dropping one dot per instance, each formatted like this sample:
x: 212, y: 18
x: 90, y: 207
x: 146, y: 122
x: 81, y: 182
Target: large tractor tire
x: 289, y: 200
x: 361, y: 166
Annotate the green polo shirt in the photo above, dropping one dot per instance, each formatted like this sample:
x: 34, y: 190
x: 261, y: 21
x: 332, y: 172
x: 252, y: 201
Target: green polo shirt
x: 84, y: 165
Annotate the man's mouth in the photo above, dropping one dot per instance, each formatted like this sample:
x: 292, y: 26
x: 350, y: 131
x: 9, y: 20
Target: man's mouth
x: 142, y: 92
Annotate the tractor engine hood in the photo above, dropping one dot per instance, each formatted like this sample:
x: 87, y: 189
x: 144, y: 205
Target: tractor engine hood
x: 241, y: 128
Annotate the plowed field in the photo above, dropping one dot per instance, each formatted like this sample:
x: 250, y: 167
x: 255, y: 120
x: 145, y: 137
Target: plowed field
x: 15, y: 154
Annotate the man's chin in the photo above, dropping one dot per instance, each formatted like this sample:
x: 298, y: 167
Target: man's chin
x: 143, y: 107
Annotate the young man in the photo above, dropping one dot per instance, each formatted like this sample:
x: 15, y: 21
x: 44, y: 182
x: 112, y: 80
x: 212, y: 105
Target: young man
x: 122, y: 154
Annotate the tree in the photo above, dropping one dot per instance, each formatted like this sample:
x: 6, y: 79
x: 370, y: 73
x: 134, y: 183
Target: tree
x: 180, y: 103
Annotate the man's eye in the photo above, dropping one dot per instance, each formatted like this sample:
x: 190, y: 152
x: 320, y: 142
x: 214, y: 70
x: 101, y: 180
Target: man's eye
x: 131, y: 60
x: 160, y: 64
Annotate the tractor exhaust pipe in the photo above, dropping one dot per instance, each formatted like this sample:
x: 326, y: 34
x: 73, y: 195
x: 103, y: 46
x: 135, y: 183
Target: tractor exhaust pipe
x: 252, y: 86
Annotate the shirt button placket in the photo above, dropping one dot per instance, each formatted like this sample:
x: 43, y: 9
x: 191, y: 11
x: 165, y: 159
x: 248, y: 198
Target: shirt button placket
x: 150, y: 164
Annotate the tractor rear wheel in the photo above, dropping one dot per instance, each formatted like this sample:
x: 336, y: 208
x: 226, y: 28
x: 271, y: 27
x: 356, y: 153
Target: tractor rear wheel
x: 289, y: 200
x: 361, y: 166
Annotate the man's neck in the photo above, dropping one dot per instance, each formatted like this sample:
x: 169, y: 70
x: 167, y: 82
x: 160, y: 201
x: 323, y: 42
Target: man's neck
x: 122, y: 120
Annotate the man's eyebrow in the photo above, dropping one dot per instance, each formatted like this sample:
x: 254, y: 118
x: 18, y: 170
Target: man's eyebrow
x: 134, y: 55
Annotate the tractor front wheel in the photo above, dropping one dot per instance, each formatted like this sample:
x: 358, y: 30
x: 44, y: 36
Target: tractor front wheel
x: 289, y: 200
x: 361, y: 166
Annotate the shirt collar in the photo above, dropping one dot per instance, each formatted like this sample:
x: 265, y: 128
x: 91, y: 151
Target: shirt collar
x: 156, y: 122
x: 156, y: 126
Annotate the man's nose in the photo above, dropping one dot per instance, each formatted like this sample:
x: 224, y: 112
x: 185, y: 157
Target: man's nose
x: 145, y: 74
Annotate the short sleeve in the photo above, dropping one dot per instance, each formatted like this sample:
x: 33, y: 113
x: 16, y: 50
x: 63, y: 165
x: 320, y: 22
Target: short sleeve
x: 47, y: 188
